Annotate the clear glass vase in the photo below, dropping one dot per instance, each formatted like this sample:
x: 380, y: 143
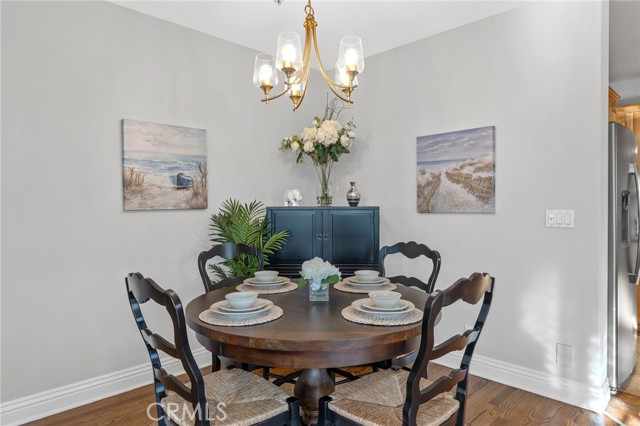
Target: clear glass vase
x: 318, y: 292
x: 324, y: 173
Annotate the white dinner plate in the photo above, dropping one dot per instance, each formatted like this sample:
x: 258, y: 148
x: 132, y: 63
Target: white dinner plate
x: 402, y: 305
x: 363, y: 305
x: 225, y: 306
x: 256, y: 283
x: 266, y: 306
x: 378, y: 281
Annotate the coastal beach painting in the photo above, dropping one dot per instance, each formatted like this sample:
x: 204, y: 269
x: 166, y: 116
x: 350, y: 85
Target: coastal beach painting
x: 456, y: 172
x: 164, y: 167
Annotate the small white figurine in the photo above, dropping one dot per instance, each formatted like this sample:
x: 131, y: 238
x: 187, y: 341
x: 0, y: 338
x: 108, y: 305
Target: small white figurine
x: 292, y: 197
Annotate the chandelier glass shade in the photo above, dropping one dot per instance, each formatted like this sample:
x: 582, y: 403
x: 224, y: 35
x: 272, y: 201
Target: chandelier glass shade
x: 294, y: 62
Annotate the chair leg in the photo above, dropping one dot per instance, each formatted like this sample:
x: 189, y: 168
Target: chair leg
x: 215, y: 363
x: 294, y: 411
x: 323, y: 410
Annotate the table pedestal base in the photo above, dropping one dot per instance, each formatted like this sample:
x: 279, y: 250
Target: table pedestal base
x: 312, y: 384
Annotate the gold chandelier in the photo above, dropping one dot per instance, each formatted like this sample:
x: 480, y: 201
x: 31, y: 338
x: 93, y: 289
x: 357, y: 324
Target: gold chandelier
x: 294, y: 63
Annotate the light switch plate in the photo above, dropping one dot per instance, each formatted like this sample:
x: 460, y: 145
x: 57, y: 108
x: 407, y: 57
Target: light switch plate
x: 560, y: 219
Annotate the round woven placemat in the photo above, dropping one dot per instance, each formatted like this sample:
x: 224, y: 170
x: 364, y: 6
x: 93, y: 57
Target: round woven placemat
x: 290, y: 286
x: 342, y: 286
x: 213, y: 318
x: 350, y: 314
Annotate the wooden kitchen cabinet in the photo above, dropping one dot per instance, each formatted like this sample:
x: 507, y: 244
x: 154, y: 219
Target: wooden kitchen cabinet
x: 347, y: 237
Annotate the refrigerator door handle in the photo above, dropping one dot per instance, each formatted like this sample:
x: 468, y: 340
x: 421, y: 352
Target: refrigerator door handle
x: 633, y: 169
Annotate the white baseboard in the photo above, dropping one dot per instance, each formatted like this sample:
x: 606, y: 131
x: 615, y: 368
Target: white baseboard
x: 594, y: 398
x: 64, y: 398
x: 43, y: 404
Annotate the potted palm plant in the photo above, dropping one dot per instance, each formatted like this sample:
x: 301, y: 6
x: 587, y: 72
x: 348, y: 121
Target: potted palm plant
x: 246, y: 224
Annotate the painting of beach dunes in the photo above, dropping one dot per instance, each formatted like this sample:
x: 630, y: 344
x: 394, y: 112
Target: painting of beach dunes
x: 456, y: 172
x: 163, y: 167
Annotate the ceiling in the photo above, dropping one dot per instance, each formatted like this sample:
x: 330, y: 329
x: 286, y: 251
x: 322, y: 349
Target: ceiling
x: 256, y: 24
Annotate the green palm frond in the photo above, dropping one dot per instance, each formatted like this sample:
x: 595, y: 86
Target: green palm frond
x: 243, y: 223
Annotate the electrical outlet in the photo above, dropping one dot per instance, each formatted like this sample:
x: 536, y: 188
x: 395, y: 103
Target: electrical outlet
x: 564, y: 354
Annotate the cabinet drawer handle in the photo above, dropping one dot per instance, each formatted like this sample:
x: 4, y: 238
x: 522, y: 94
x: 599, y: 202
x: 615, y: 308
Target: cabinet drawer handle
x: 319, y: 236
x: 326, y: 236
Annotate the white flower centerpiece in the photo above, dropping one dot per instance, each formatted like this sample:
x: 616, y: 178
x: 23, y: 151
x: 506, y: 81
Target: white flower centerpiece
x: 324, y: 143
x: 318, y: 274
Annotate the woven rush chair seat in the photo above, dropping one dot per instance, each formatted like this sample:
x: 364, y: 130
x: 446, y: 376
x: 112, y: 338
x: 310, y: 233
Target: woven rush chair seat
x: 377, y: 400
x: 235, y: 397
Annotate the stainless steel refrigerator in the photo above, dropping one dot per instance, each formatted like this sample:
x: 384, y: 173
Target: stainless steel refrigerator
x: 624, y: 254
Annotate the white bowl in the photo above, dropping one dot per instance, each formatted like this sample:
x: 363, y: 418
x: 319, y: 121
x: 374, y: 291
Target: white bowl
x: 384, y: 298
x: 266, y: 276
x: 241, y: 299
x: 366, y: 275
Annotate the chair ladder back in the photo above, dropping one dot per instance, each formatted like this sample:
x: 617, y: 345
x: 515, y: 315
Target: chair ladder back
x: 226, y: 251
x: 133, y: 283
x: 160, y: 343
x: 442, y: 384
x: 454, y: 343
x: 432, y: 308
x: 171, y: 383
x: 470, y: 290
x: 140, y: 291
x: 412, y: 250
x: 461, y: 391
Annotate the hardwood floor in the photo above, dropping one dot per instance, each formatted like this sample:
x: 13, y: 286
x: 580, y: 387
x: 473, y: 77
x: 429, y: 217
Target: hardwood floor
x: 489, y: 404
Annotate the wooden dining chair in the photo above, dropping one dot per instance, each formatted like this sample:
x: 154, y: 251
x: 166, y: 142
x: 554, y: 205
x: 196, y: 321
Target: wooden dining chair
x: 412, y: 250
x: 410, y: 398
x: 226, y: 251
x: 227, y: 396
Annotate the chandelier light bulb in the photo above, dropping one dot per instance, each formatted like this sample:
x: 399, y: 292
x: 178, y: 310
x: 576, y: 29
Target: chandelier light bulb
x: 296, y: 92
x: 266, y: 72
x: 351, y: 56
x: 288, y: 52
x: 342, y: 77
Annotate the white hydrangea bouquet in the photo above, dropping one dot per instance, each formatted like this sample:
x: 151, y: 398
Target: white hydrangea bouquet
x: 324, y: 143
x: 318, y: 274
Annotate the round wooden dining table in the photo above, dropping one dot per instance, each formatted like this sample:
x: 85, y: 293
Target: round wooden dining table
x: 311, y: 336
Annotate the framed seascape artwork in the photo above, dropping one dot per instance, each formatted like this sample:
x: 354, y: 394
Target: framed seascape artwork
x: 163, y: 167
x: 456, y: 172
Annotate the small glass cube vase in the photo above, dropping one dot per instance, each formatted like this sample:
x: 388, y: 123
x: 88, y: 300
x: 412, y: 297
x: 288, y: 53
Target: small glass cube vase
x: 318, y: 292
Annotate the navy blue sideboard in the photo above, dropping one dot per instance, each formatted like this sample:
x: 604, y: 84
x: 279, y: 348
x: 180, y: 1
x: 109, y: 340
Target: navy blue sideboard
x: 348, y: 237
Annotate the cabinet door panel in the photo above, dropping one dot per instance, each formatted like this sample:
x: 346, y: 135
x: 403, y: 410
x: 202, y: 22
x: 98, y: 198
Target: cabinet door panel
x: 305, y: 235
x: 352, y: 238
